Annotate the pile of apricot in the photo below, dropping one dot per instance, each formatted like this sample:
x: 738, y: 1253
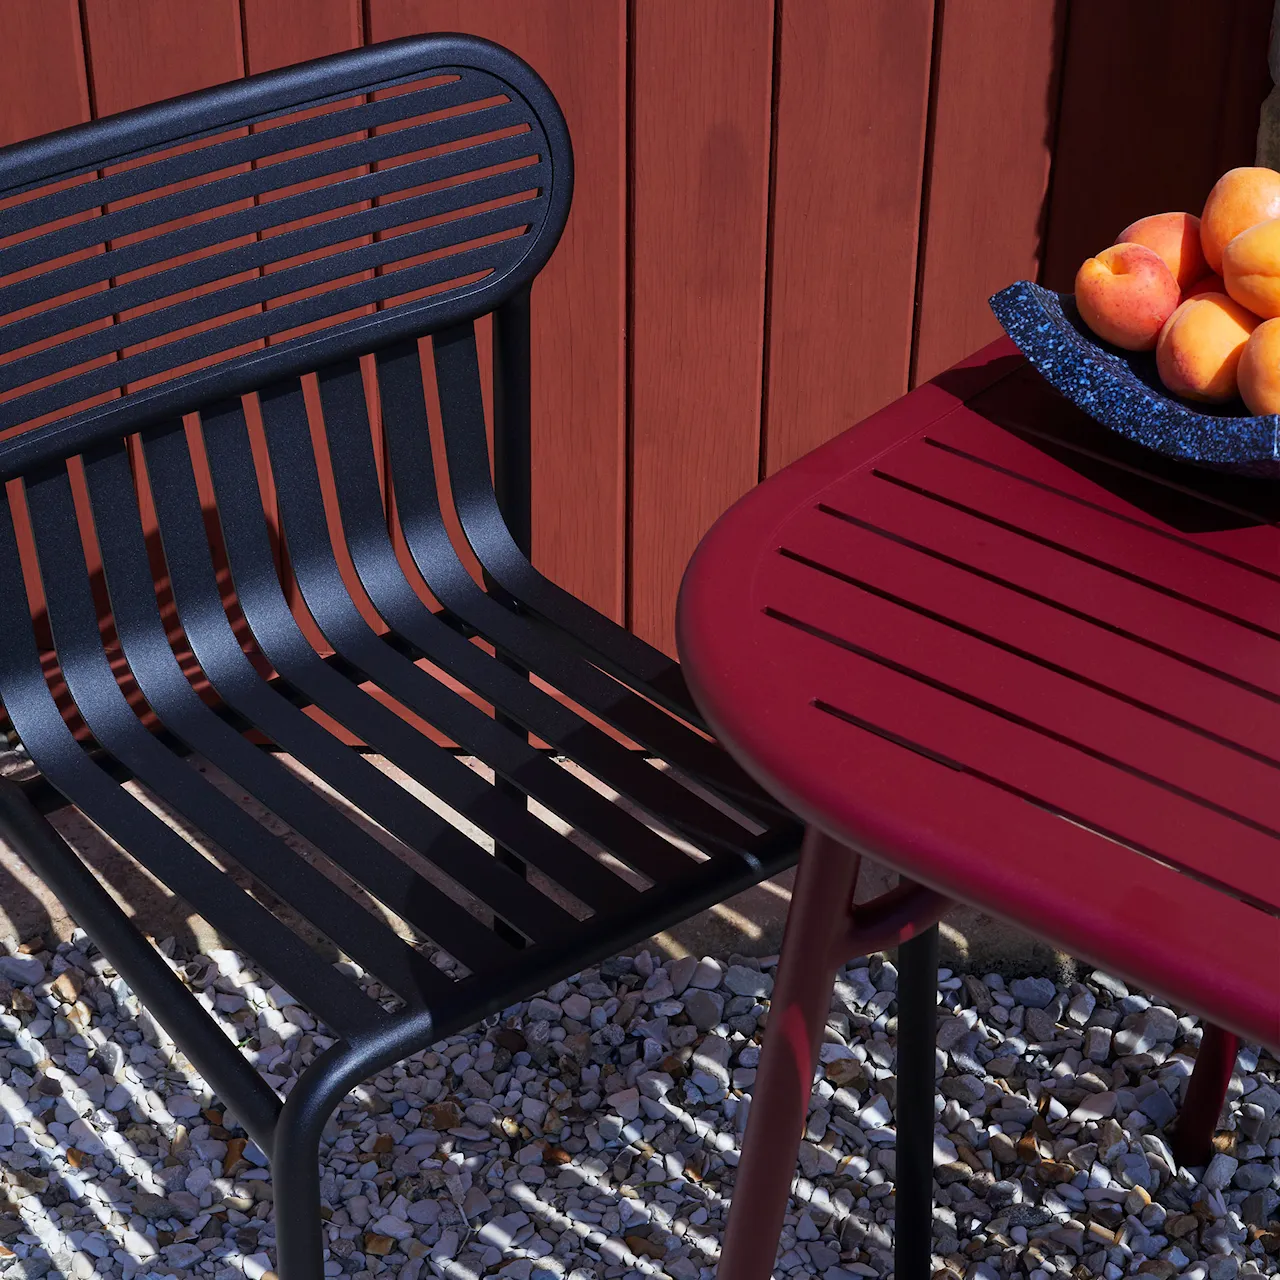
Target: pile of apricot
x: 1203, y: 292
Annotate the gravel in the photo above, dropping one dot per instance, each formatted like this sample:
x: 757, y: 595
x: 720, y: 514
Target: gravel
x: 594, y: 1131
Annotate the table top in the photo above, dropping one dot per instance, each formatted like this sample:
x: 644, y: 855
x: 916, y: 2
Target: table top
x: 1026, y: 663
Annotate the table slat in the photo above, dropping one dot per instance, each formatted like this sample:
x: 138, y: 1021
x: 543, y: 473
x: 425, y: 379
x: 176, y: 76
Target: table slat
x: 924, y: 702
x: 1154, y: 619
x: 1026, y: 629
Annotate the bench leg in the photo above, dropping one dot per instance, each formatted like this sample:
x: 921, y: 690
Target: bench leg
x: 1206, y: 1092
x: 914, y: 1110
x: 818, y: 918
x: 295, y: 1165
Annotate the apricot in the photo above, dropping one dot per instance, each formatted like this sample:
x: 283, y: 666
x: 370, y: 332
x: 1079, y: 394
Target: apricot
x: 1240, y: 199
x: 1259, y: 371
x: 1251, y: 268
x: 1206, y: 284
x: 1200, y: 347
x: 1176, y: 238
x: 1125, y: 294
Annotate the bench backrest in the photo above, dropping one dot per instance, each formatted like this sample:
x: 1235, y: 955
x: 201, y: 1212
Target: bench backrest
x: 161, y: 260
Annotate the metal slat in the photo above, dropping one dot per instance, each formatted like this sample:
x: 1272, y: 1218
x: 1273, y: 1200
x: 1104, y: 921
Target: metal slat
x: 1217, y: 530
x: 1139, y: 556
x: 219, y: 156
x: 495, y: 259
x: 1031, y: 628
x: 118, y: 262
x: 618, y: 651
x: 1078, y: 589
x: 263, y: 288
x: 1133, y: 807
x: 99, y: 699
x: 404, y: 423
x: 315, y: 566
x: 233, y: 676
x: 1095, y: 719
x: 160, y: 849
x: 140, y: 627
x: 410, y: 62
x: 139, y: 963
x: 1090, y: 455
x: 365, y: 530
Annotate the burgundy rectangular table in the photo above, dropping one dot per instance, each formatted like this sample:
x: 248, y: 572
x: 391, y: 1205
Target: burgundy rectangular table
x: 1030, y: 666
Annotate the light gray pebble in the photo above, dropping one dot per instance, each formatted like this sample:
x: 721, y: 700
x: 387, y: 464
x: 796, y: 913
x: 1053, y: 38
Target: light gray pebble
x: 1149, y: 1028
x: 705, y: 1008
x: 182, y: 1106
x: 1097, y: 1044
x: 21, y: 969
x: 645, y: 1102
x: 743, y: 981
x: 576, y: 1006
x: 1266, y: 1097
x: 396, y: 1228
x: 1081, y: 1007
x: 1105, y: 982
x: 1221, y: 1169
x: 680, y: 972
x: 1253, y: 1177
x: 1040, y: 1025
x: 626, y: 1102
x: 1095, y: 1106
x: 1158, y: 1107
x: 1035, y: 993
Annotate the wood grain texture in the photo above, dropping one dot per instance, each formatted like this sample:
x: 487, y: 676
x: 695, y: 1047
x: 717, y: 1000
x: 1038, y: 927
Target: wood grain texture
x: 579, y: 365
x: 702, y: 81
x: 275, y: 37
x: 44, y: 85
x: 1192, y: 99
x: 995, y: 94
x: 851, y: 99
x: 852, y: 106
x: 142, y: 53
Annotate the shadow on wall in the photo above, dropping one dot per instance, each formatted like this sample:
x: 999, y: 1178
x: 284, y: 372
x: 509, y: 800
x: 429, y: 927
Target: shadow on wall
x: 1149, y: 134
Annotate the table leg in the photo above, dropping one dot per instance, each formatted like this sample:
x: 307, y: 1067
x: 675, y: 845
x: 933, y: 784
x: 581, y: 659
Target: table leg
x: 917, y: 1038
x: 818, y: 920
x: 1206, y: 1091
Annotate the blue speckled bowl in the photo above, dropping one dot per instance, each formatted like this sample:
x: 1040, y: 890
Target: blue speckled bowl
x: 1121, y: 390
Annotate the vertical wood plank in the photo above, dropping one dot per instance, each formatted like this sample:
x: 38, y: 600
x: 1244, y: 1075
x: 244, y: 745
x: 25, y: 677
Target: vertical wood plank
x: 275, y: 36
x: 44, y: 85
x: 701, y: 94
x: 144, y: 53
x: 1147, y: 134
x: 579, y: 367
x: 849, y: 134
x: 996, y: 93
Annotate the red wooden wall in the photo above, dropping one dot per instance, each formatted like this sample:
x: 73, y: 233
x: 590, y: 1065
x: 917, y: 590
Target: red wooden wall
x: 787, y: 211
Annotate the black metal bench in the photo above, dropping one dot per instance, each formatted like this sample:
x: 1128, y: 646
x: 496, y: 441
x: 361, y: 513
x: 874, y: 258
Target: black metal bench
x: 243, y: 228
